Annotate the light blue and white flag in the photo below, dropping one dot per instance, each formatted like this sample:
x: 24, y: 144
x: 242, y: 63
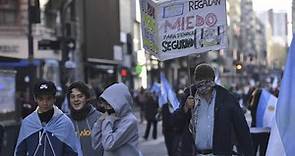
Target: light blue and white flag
x: 282, y: 137
x: 266, y: 109
x: 167, y: 93
x: 275, y: 83
x: 156, y: 88
x: 163, y: 98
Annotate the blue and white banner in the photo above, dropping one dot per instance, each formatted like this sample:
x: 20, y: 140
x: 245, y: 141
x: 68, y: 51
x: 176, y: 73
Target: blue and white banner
x: 167, y: 93
x: 282, y: 137
x: 266, y: 109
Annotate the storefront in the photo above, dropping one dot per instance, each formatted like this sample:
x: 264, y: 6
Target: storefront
x: 101, y: 75
x: 18, y: 99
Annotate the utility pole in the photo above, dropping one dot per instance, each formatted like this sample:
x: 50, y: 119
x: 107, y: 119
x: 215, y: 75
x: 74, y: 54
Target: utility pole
x: 71, y: 39
x: 79, y: 73
x: 33, y: 18
x: 30, y: 36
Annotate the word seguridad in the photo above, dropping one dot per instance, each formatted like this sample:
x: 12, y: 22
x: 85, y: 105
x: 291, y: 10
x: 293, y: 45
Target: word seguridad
x: 177, y: 44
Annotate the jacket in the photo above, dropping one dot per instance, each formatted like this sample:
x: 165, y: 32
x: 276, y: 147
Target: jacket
x: 117, y: 133
x: 56, y: 138
x: 150, y: 109
x: 182, y: 140
x: 83, y: 131
x: 230, y: 126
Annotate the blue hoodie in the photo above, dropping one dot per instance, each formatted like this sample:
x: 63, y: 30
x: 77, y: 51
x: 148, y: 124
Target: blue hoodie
x: 56, y: 138
x: 117, y: 133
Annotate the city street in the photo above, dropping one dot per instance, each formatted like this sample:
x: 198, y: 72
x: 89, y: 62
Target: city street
x: 217, y: 54
x: 152, y: 147
x: 157, y: 147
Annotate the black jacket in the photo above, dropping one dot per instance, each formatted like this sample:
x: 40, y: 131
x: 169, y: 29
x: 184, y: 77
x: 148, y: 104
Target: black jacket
x: 230, y: 126
x: 150, y: 108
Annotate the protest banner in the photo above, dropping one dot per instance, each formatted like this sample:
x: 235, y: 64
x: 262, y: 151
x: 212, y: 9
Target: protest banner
x: 177, y: 28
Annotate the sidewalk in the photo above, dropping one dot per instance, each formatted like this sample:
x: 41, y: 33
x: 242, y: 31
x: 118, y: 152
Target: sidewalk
x: 151, y: 147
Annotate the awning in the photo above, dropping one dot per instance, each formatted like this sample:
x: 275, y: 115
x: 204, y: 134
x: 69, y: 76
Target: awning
x: 21, y: 63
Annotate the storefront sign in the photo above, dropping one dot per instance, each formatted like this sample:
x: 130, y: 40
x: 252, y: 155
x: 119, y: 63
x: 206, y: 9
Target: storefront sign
x: 14, y: 47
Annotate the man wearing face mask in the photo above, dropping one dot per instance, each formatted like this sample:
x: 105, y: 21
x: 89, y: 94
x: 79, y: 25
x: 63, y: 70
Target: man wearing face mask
x: 83, y: 115
x: 213, y: 116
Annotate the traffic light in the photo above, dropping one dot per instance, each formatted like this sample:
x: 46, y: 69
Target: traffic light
x: 129, y: 44
x: 34, y: 11
x: 239, y: 67
x: 124, y: 72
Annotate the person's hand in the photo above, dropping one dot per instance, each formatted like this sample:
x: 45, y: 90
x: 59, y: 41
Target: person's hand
x: 189, y: 104
x: 103, y: 116
x: 112, y: 117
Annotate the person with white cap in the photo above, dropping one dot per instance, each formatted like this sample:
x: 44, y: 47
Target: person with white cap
x: 47, y: 131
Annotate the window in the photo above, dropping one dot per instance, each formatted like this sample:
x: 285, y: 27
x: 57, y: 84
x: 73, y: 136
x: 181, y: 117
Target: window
x: 3, y: 2
x: 8, y: 12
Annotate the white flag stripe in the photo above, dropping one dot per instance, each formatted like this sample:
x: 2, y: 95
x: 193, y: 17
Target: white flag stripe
x: 269, y: 113
x: 275, y: 145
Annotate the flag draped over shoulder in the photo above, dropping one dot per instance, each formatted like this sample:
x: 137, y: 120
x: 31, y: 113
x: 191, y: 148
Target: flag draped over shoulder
x: 167, y: 93
x: 266, y: 109
x: 282, y: 138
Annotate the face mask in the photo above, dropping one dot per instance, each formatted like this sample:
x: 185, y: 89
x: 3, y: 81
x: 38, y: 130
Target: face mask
x: 101, y: 109
x: 110, y: 111
x: 204, y: 86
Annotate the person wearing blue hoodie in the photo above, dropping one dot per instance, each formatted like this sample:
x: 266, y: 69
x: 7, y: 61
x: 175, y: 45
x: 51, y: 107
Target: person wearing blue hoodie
x: 47, y: 131
x: 83, y: 115
x: 116, y: 130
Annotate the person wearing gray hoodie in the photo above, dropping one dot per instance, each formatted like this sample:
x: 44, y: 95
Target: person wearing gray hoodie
x: 116, y: 130
x: 83, y: 116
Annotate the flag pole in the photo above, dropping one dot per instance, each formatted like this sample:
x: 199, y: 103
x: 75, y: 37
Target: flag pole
x: 189, y: 75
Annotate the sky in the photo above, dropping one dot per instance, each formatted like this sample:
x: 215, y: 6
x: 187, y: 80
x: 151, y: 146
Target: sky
x: 275, y: 4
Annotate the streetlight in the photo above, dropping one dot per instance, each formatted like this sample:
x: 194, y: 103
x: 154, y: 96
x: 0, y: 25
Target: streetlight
x: 239, y: 67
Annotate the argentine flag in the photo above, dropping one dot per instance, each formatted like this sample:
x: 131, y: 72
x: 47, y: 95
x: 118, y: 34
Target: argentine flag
x: 167, y: 93
x: 266, y: 109
x: 282, y: 137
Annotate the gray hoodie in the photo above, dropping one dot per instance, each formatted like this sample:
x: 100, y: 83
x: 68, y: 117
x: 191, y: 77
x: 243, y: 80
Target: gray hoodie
x: 83, y: 131
x: 117, y: 133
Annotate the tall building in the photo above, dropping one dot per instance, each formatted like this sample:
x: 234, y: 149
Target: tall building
x: 279, y: 23
x: 30, y: 61
x: 278, y: 49
x: 234, y: 32
x: 27, y: 53
x: 260, y: 43
x: 276, y: 34
x: 111, y: 38
x: 247, y: 31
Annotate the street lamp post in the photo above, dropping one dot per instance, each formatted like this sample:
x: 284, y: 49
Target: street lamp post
x: 33, y: 18
x: 30, y: 36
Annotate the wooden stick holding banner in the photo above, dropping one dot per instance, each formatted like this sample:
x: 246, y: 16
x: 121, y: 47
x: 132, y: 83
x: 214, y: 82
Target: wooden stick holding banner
x: 189, y: 75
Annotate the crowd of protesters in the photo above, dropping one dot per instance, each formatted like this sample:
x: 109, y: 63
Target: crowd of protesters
x: 209, y: 121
